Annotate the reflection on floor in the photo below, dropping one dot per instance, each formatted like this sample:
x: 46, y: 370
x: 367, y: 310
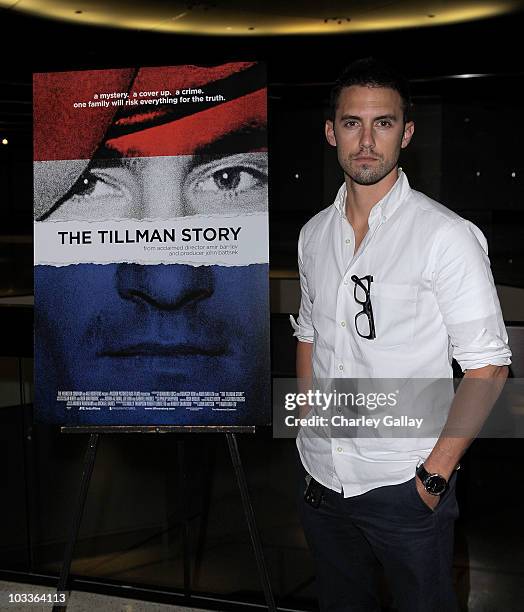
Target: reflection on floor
x: 489, y: 550
x: 489, y: 574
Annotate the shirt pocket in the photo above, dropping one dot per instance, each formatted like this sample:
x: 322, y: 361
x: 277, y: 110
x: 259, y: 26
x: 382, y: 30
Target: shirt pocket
x: 394, y: 311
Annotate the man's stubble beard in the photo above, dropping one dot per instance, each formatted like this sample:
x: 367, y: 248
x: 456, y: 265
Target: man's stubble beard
x: 364, y: 174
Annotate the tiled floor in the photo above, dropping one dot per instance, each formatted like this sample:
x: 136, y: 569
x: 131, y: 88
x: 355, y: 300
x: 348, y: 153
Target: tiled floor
x: 78, y: 601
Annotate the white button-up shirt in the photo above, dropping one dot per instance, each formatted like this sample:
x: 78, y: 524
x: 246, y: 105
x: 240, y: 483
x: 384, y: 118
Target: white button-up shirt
x: 433, y: 298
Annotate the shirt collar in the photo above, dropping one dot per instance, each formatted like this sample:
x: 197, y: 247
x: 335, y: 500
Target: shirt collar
x: 385, y: 207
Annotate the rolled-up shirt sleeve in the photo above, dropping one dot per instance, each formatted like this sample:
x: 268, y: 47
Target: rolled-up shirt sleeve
x: 303, y: 327
x: 467, y: 297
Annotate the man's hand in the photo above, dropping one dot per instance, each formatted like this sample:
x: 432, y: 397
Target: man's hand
x: 431, y: 501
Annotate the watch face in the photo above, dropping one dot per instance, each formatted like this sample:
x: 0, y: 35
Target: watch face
x: 435, y: 484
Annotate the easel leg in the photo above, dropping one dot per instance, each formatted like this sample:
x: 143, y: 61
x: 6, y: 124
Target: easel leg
x: 204, y: 516
x: 250, y: 517
x: 89, y: 462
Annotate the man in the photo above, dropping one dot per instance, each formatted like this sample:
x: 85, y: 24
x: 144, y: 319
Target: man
x: 393, y: 286
x: 131, y: 325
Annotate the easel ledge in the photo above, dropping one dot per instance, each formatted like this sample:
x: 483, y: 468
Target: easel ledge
x: 99, y: 429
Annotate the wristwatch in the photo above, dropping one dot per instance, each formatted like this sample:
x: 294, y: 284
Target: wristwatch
x: 435, y: 484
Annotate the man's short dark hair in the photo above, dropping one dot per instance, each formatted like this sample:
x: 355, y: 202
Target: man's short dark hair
x: 371, y: 72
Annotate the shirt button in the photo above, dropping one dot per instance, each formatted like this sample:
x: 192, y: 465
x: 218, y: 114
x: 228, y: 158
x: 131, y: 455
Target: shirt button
x: 339, y: 449
x: 348, y: 240
x: 345, y: 282
x: 343, y: 323
x: 340, y: 367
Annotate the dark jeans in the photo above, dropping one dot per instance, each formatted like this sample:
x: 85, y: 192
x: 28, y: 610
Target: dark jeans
x: 390, y: 528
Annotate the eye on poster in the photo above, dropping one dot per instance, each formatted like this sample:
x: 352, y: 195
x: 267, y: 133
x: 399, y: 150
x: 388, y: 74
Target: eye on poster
x: 151, y: 246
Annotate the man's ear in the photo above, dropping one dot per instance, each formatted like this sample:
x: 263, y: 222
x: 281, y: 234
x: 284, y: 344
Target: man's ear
x: 330, y: 133
x: 409, y: 129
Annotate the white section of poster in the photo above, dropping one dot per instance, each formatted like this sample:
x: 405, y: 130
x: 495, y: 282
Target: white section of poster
x: 238, y: 240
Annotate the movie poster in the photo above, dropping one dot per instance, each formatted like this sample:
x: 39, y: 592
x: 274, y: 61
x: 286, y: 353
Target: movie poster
x: 151, y: 246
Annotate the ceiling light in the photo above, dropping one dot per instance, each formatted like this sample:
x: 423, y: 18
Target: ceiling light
x: 377, y: 16
x: 5, y: 141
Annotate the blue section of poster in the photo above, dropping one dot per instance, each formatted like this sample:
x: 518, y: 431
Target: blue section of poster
x: 165, y: 344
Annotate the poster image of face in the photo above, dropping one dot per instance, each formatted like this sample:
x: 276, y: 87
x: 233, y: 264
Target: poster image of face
x: 151, y: 246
